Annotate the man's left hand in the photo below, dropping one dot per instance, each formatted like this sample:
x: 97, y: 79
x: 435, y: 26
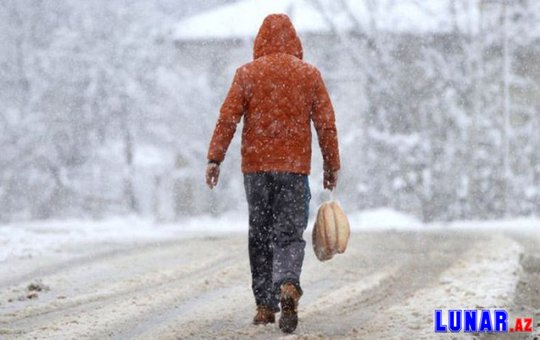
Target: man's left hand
x: 330, y: 179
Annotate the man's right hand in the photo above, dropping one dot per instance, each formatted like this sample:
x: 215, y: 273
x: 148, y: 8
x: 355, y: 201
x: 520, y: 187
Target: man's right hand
x: 330, y: 179
x: 212, y: 175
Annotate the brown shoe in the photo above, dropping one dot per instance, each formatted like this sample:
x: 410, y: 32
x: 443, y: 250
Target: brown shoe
x: 264, y: 316
x: 289, y: 307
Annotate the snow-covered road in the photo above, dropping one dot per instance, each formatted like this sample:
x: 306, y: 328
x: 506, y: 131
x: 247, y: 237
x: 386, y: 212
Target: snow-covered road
x: 386, y: 286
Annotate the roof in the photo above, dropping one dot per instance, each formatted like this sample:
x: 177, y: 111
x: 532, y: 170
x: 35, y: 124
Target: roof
x: 242, y: 19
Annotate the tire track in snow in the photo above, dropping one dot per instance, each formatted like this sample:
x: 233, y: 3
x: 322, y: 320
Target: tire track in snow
x: 106, y: 316
x: 229, y: 312
x: 89, y: 258
x: 135, y: 291
x: 344, y: 294
x: 384, y: 276
x: 361, y: 279
x: 200, y: 316
x: 484, y: 277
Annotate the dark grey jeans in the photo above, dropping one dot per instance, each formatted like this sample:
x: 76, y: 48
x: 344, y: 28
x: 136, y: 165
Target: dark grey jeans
x: 278, y: 214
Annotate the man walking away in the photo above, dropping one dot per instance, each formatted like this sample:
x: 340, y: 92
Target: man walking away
x: 278, y: 95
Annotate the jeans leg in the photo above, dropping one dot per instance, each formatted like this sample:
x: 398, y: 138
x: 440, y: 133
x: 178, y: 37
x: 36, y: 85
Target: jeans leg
x: 260, y: 238
x: 291, y: 208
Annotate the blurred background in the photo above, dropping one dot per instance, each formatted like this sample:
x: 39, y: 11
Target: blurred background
x: 107, y: 107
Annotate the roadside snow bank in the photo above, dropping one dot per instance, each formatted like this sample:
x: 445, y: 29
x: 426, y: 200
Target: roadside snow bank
x: 27, y: 239
x: 383, y: 218
x: 389, y: 219
x: 531, y: 224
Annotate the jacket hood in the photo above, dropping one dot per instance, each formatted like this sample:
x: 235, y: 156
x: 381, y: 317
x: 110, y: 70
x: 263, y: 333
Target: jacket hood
x: 277, y: 35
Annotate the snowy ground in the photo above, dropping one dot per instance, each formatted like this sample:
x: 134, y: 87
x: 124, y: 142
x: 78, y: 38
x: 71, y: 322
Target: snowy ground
x: 130, y: 278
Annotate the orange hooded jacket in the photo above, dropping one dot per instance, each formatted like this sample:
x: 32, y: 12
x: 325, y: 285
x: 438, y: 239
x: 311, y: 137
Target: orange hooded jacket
x: 278, y: 95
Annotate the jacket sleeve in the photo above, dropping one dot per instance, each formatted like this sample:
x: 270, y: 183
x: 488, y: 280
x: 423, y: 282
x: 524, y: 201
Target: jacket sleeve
x: 325, y: 124
x: 230, y: 114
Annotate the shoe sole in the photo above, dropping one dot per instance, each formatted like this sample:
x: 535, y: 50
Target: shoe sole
x: 289, y: 317
x: 263, y: 322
